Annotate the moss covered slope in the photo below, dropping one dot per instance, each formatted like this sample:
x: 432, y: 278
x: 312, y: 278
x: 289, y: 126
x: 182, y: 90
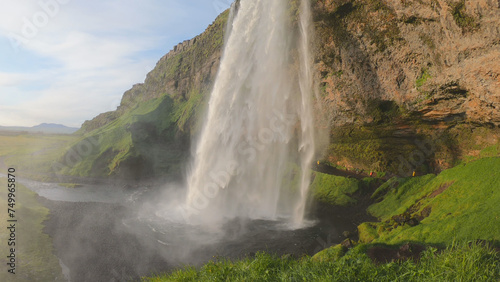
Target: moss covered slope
x: 460, y: 203
x: 35, y: 259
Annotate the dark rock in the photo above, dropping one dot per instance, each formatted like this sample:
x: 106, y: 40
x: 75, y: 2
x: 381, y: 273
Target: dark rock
x: 410, y: 251
x: 413, y: 222
x: 347, y: 243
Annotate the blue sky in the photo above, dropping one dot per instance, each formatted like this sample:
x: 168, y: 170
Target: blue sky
x: 66, y: 61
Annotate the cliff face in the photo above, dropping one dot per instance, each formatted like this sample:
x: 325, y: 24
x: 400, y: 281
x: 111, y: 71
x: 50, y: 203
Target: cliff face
x: 436, y: 58
x: 398, y: 75
x: 405, y: 85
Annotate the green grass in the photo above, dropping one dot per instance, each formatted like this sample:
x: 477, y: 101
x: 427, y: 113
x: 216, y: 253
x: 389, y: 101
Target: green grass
x: 491, y: 151
x: 458, y: 262
x: 467, y: 208
x: 401, y: 193
x: 34, y: 252
x: 138, y: 134
x: 32, y: 152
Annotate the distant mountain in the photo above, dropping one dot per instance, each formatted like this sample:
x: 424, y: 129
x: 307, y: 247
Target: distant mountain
x: 50, y: 128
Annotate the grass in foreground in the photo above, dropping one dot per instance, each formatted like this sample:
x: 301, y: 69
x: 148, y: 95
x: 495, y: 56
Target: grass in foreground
x: 35, y: 260
x: 458, y: 262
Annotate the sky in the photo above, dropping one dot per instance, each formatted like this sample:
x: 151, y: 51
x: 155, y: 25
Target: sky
x: 66, y: 61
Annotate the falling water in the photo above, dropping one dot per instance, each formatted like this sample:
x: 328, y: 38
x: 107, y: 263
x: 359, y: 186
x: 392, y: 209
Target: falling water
x: 258, y: 134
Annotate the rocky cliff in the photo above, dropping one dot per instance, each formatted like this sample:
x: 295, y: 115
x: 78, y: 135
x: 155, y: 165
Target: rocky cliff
x: 404, y: 86
x: 409, y: 85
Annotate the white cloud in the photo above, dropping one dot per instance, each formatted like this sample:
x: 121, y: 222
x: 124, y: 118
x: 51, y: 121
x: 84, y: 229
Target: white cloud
x: 76, y: 59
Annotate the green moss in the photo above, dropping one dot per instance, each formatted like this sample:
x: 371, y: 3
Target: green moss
x: 400, y: 194
x: 367, y: 232
x: 187, y: 110
x: 330, y: 254
x: 424, y: 76
x: 334, y: 190
x: 491, y: 151
x: 373, y: 147
x: 461, y: 203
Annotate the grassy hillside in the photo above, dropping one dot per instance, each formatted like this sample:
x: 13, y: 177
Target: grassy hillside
x: 35, y: 258
x: 149, y: 140
x: 460, y: 203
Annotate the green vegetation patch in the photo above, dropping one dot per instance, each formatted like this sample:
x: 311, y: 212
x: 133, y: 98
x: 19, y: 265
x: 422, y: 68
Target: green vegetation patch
x: 34, y: 252
x: 400, y: 194
x: 423, y: 78
x: 334, y: 190
x: 460, y: 203
x: 367, y: 232
x: 146, y: 141
x: 458, y: 262
x: 330, y: 254
x: 32, y: 152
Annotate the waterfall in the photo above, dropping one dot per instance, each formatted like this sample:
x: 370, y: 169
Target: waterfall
x: 258, y: 133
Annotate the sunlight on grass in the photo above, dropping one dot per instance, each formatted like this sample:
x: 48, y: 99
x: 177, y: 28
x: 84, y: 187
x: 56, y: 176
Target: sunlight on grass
x: 458, y: 262
x: 463, y: 203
